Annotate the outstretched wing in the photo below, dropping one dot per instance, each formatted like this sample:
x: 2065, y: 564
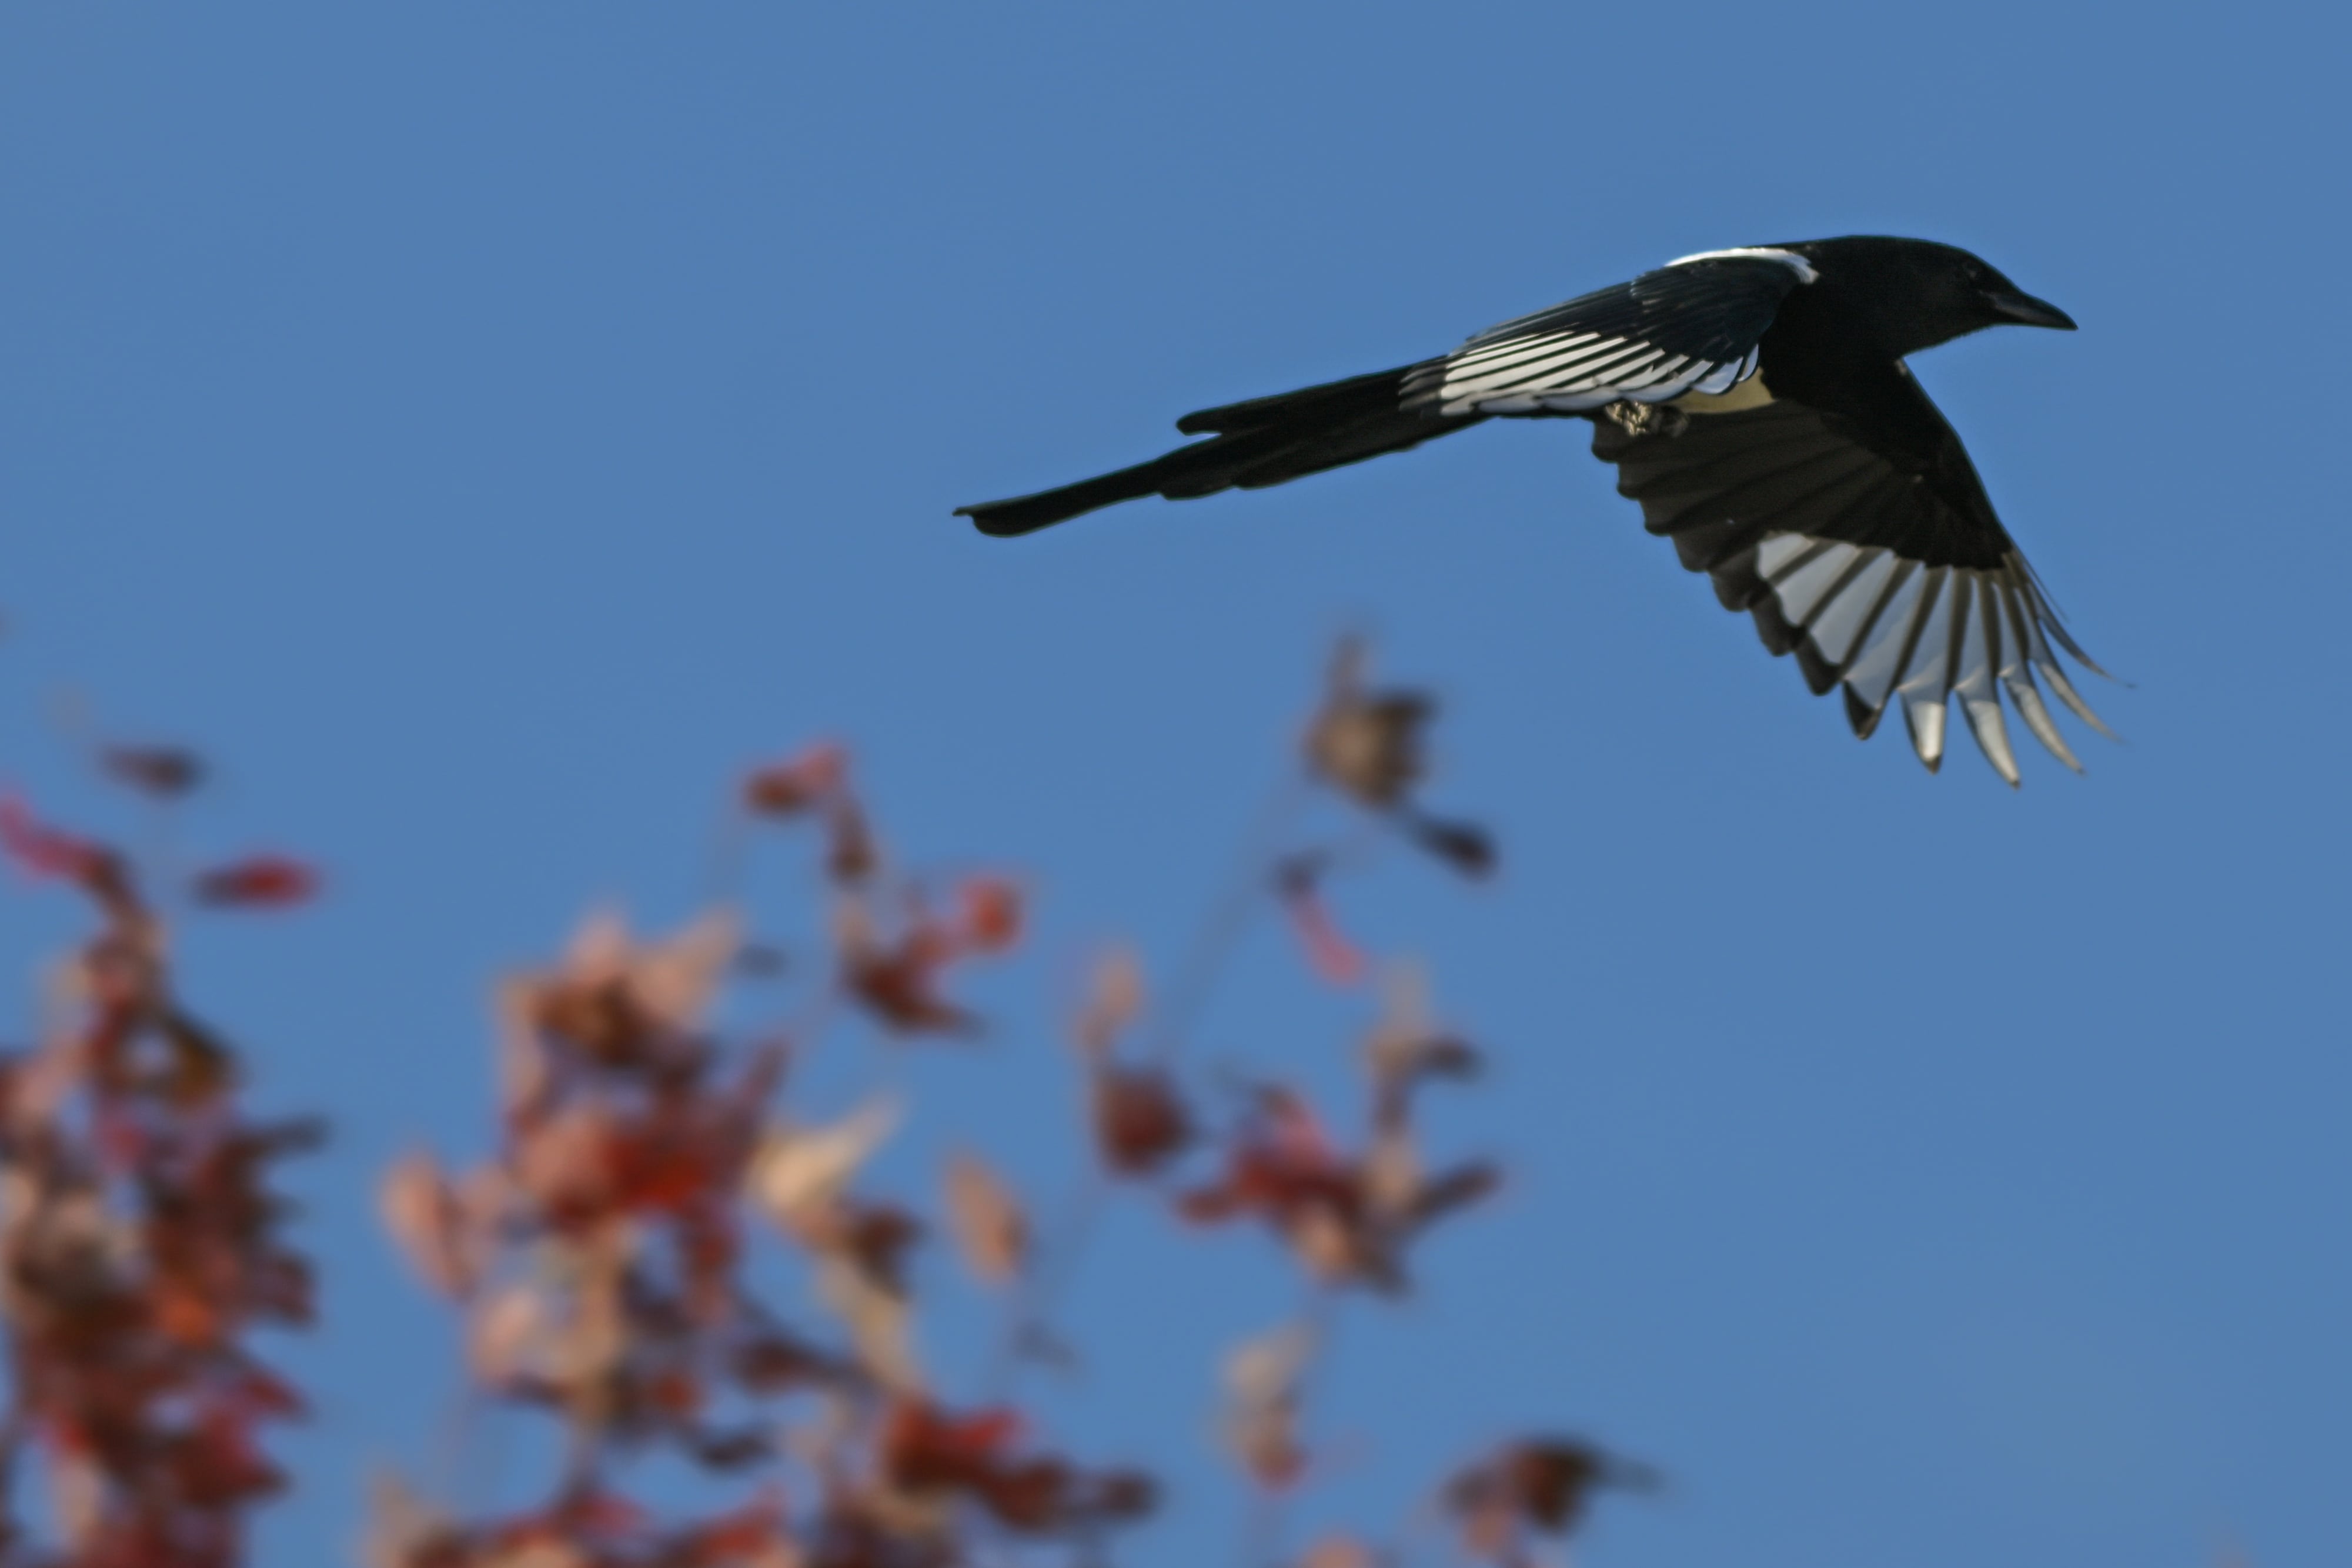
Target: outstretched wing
x: 1693, y: 323
x: 1690, y: 326
x: 1865, y: 546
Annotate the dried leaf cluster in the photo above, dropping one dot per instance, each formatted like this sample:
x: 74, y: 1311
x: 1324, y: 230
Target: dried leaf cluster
x: 651, y: 1160
x: 1370, y: 743
x: 141, y: 1243
x: 601, y: 1257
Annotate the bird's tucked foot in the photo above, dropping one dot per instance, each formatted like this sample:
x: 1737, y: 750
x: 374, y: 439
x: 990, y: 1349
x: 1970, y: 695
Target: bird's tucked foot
x: 1646, y: 418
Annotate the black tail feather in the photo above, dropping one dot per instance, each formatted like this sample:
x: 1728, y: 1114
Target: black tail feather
x: 1265, y: 440
x: 1356, y: 395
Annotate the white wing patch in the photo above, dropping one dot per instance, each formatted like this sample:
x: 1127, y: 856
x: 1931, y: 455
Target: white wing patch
x: 1571, y: 372
x: 1890, y: 630
x: 1519, y: 367
x: 1788, y: 258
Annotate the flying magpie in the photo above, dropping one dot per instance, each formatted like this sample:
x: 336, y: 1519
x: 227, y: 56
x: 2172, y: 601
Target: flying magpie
x: 1757, y: 404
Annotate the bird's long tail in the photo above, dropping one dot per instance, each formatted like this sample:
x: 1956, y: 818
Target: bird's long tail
x: 1261, y: 442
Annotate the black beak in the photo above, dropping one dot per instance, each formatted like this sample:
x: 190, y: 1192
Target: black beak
x: 2026, y: 311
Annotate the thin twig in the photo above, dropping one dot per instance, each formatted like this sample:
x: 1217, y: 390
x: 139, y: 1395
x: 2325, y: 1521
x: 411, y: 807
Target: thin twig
x: 727, y: 869
x: 1030, y: 1312
x: 1218, y: 935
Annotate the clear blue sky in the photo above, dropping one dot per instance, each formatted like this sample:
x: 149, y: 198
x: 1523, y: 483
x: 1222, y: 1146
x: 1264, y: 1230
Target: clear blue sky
x: 484, y: 429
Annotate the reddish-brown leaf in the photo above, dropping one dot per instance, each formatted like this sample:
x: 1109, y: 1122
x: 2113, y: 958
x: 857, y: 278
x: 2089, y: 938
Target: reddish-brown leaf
x: 45, y: 852
x: 257, y: 882
x: 925, y: 1450
x: 1140, y: 1122
x: 899, y: 983
x: 1280, y: 1165
x: 1329, y: 952
x: 786, y: 788
x: 1544, y: 1484
x: 990, y: 917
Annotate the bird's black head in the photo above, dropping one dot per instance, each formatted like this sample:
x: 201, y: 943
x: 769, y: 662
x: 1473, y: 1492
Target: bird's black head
x: 1915, y: 293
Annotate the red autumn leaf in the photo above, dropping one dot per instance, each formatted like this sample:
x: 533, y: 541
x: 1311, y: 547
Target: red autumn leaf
x: 786, y: 788
x: 900, y: 987
x: 1280, y: 1165
x: 661, y: 1168
x: 773, y: 1361
x: 1348, y: 1218
x: 990, y: 918
x: 673, y: 1391
x: 260, y: 1393
x: 1329, y: 952
x: 144, y: 1246
x: 562, y: 1162
x: 899, y: 980
x: 45, y: 852
x: 1543, y: 1484
x: 257, y: 882
x: 751, y: 1534
x: 620, y: 999
x: 1140, y: 1122
x: 218, y: 1464
x: 925, y: 1450
x: 184, y: 1315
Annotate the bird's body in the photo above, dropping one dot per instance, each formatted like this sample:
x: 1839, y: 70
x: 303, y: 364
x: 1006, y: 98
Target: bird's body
x: 1757, y: 402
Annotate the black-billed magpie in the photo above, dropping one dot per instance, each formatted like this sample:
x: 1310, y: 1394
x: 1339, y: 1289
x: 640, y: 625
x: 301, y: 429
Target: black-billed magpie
x: 1757, y: 404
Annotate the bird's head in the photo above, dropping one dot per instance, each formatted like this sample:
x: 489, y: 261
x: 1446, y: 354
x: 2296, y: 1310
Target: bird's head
x: 1919, y: 293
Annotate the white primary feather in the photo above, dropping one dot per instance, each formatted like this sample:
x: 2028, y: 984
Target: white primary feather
x: 1895, y: 630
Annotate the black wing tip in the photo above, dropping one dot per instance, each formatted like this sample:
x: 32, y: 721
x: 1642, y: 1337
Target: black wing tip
x: 1821, y: 677
x: 1004, y: 520
x: 1860, y: 716
x: 1773, y: 628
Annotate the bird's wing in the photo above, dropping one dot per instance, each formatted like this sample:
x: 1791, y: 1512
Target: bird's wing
x: 1867, y: 546
x: 1691, y: 326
